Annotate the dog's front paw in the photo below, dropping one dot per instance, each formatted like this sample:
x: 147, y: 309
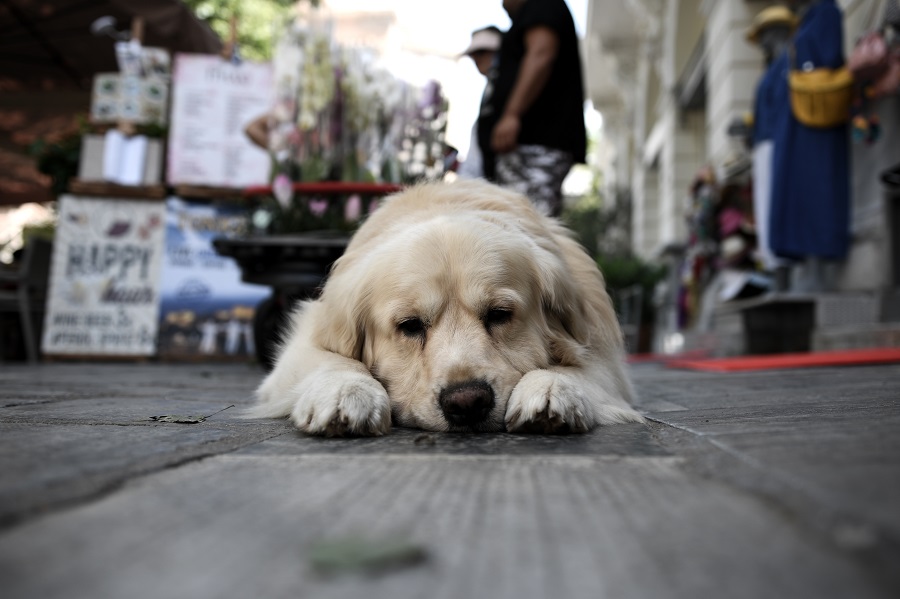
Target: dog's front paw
x: 543, y: 402
x: 341, y: 404
x: 549, y: 402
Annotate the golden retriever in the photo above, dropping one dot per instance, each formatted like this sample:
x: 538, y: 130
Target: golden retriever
x: 456, y: 307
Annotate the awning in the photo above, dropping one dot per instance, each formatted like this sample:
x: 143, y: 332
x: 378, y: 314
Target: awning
x: 48, y: 57
x: 48, y: 43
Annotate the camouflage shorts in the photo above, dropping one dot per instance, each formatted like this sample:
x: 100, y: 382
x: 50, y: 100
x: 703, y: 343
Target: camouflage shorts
x: 536, y: 172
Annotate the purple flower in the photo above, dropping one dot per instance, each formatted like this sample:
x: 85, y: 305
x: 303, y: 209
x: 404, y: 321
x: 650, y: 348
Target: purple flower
x: 353, y: 208
x: 318, y: 206
x: 431, y: 96
x: 283, y: 190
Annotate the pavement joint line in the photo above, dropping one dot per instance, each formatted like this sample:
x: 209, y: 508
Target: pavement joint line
x: 10, y: 521
x: 567, y: 459
x: 781, y: 477
x: 98, y: 494
x: 24, y: 402
x: 75, y: 422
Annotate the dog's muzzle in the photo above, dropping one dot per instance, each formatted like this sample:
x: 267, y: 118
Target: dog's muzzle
x: 467, y: 404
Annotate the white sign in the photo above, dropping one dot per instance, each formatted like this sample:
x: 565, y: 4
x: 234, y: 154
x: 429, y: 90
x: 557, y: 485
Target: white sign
x: 138, y: 100
x: 104, y: 278
x: 213, y: 100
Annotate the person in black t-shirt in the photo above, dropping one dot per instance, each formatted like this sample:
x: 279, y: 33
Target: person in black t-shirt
x: 535, y: 118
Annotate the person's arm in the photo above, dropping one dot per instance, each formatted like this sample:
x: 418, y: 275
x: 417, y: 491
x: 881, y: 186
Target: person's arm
x: 541, y: 49
x: 258, y: 131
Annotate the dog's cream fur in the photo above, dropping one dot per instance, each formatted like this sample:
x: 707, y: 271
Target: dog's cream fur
x: 447, y: 255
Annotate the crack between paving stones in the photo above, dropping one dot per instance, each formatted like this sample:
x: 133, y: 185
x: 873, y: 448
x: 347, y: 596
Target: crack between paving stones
x: 10, y: 521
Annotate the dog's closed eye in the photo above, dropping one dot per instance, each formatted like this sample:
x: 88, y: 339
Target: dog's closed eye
x: 496, y: 317
x: 412, y: 327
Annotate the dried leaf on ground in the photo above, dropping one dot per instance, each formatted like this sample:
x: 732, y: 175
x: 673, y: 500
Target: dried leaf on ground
x: 185, y: 419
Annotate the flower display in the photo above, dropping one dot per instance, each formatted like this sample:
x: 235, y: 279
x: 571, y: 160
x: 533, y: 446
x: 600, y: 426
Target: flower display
x: 339, y: 116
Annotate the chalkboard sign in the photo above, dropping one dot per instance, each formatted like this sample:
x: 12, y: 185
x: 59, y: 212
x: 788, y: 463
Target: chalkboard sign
x: 104, y: 278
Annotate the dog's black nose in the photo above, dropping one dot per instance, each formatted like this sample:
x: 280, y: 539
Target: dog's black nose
x: 466, y: 404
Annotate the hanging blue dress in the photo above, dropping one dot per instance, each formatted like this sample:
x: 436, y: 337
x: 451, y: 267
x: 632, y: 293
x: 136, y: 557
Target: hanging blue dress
x: 771, y: 100
x: 810, y: 213
x: 770, y: 103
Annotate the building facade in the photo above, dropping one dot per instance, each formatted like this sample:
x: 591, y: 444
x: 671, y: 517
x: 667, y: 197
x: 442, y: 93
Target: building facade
x: 672, y: 79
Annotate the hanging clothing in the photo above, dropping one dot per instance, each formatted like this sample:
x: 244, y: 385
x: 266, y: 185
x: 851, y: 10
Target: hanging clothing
x: 811, y: 167
x: 770, y: 104
x: 762, y: 201
x: 771, y: 100
x: 473, y: 166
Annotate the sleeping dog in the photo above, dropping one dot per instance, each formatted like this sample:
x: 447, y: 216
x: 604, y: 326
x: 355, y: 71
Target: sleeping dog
x: 456, y: 307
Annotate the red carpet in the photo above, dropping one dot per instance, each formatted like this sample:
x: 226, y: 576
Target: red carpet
x: 652, y: 358
x: 804, y: 360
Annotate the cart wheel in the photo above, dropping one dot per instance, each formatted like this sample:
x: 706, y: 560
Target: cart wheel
x: 267, y: 324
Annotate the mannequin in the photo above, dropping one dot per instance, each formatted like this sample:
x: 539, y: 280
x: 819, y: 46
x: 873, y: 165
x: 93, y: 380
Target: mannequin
x: 771, y: 31
x: 773, y: 41
x: 810, y: 211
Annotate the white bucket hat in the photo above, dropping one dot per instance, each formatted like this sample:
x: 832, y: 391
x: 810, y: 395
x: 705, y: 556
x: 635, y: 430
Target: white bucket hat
x: 483, y: 40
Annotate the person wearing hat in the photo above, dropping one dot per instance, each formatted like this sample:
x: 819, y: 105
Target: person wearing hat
x: 771, y: 31
x: 482, y: 50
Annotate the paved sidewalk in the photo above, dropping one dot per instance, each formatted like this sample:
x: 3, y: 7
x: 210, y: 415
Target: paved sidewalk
x: 776, y: 484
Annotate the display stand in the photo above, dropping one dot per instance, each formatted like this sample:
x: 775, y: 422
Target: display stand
x: 103, y: 297
x: 203, y: 192
x: 114, y: 190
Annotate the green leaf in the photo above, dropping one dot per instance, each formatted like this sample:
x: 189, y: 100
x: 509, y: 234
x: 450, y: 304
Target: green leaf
x: 367, y: 555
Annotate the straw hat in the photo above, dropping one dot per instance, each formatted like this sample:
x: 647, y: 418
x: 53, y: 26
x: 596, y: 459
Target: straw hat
x: 769, y: 17
x: 484, y: 39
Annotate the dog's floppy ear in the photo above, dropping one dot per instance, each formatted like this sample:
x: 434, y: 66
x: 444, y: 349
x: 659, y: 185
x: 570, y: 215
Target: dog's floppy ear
x: 561, y: 310
x: 576, y: 306
x: 344, y: 311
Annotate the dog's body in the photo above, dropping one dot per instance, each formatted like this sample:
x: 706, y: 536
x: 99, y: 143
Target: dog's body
x: 455, y: 307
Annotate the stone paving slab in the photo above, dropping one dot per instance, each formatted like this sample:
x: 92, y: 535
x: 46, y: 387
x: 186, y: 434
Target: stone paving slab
x: 829, y: 433
x: 48, y: 466
x: 820, y: 443
x: 69, y: 432
x: 244, y: 526
x: 742, y: 485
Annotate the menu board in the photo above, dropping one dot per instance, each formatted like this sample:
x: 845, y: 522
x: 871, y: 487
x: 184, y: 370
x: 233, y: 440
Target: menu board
x: 104, y: 278
x: 213, y: 100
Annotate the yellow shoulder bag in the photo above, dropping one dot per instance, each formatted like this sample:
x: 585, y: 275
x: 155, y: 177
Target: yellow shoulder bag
x: 820, y: 97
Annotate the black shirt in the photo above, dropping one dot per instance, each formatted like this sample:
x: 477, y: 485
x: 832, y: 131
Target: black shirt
x: 556, y: 118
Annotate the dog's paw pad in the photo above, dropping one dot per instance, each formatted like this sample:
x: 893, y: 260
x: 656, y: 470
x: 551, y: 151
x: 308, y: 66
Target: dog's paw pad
x: 546, y: 422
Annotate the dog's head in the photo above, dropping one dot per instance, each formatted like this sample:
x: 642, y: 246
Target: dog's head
x: 450, y: 308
